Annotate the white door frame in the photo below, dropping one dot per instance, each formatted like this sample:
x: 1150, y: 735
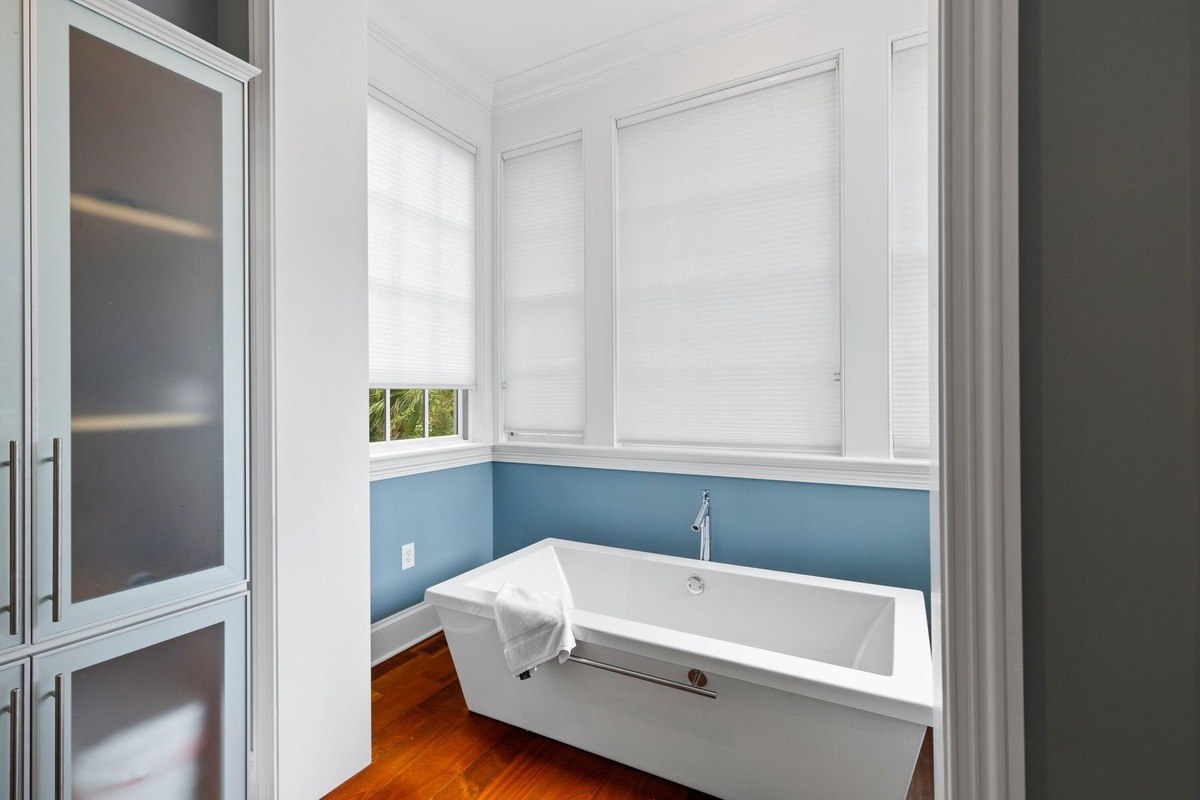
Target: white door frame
x: 976, y: 592
x: 976, y: 598
x: 263, y: 778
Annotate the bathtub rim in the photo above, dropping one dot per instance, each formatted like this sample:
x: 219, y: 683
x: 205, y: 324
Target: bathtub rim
x: 906, y: 694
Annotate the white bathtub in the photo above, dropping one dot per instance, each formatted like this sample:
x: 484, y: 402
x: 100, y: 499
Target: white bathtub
x: 823, y: 687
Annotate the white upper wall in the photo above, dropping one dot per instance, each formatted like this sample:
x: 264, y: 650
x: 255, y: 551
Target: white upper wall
x: 322, y: 563
x: 860, y: 30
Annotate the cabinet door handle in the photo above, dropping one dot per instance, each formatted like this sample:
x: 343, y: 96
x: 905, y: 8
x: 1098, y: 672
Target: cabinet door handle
x: 56, y: 535
x: 60, y: 736
x: 14, y: 521
x: 14, y: 745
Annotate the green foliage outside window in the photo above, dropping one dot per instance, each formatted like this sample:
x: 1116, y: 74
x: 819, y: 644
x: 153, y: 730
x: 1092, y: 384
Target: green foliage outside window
x: 441, y: 412
x: 377, y: 414
x: 405, y: 418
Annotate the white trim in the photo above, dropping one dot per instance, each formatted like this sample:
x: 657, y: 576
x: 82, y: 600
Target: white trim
x: 627, y: 53
x: 263, y: 700
x: 139, y: 19
x: 389, y: 98
x: 895, y: 473
x: 544, y: 143
x: 402, y: 630
x: 412, y: 461
x: 792, y: 72
x: 386, y: 39
x: 977, y: 606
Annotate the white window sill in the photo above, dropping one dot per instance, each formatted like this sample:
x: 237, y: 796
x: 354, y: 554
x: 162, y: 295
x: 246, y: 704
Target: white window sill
x: 411, y: 459
x: 888, y: 473
x: 896, y: 473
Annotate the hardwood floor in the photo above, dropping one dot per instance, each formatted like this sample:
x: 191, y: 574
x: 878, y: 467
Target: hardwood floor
x: 426, y: 745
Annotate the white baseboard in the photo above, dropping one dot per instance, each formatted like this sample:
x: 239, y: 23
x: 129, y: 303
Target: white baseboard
x: 402, y: 630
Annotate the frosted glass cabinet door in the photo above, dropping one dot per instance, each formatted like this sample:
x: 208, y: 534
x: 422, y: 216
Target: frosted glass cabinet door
x: 139, y: 273
x: 12, y: 323
x: 13, y: 714
x: 156, y: 712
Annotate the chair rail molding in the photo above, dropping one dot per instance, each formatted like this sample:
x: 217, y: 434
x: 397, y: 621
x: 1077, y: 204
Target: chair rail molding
x: 980, y: 746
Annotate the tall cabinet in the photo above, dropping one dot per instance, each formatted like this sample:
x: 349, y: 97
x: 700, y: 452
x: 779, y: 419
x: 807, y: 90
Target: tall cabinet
x: 123, y: 619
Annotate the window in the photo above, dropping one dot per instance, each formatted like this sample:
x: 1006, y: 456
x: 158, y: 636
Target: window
x: 910, y: 248
x: 542, y: 273
x: 400, y: 414
x: 421, y: 241
x: 729, y: 268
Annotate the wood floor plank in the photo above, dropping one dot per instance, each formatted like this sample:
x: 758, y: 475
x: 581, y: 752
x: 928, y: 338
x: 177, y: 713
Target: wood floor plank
x: 426, y: 745
x: 384, y: 667
x: 548, y: 770
x: 922, y: 780
x: 446, y: 755
x: 471, y: 782
x: 627, y: 783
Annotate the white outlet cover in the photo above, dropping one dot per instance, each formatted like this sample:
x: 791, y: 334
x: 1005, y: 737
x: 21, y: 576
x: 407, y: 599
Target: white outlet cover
x: 408, y: 556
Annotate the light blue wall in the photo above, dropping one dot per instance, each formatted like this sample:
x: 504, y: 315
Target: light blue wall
x: 447, y: 514
x: 459, y: 518
x: 862, y: 534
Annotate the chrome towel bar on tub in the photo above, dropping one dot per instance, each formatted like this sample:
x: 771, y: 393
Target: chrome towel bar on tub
x: 696, y: 687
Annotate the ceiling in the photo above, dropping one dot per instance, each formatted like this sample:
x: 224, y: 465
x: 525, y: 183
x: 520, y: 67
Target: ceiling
x: 502, y: 38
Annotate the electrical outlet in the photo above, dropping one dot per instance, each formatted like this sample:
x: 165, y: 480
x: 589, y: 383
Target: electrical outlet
x: 408, y: 556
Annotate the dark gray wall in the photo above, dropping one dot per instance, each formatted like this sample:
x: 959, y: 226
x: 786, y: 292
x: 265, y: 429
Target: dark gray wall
x: 1109, y: 199
x: 225, y: 23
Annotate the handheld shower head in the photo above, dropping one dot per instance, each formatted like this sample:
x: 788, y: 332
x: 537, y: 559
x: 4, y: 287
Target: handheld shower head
x: 703, y: 512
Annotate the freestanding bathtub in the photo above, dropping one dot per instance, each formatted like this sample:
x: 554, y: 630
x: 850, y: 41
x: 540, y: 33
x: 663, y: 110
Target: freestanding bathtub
x: 811, y: 689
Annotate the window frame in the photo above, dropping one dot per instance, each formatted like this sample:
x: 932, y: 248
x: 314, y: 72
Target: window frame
x: 460, y: 426
x: 864, y: 87
x: 832, y: 60
x: 384, y: 455
x: 915, y: 37
x: 502, y: 155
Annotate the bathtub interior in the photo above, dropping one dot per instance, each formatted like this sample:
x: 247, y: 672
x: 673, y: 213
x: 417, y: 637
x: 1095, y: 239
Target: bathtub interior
x: 842, y: 627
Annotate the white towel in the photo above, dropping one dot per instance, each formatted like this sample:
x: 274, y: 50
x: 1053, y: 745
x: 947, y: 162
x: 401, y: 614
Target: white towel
x: 533, y: 627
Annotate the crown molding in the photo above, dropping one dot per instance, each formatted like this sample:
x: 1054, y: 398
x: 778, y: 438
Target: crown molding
x: 139, y: 19
x: 391, y: 28
x: 712, y: 24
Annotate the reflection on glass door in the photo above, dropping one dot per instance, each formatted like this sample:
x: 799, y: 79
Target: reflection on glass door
x: 146, y: 368
x: 152, y: 713
x: 140, y: 357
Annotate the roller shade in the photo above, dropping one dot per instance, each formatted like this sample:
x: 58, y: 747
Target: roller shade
x: 421, y: 253
x: 910, y: 248
x: 542, y: 275
x: 729, y: 269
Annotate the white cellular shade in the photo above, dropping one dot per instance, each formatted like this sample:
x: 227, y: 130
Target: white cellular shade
x: 729, y: 271
x: 910, y: 249
x: 542, y: 251
x: 421, y: 254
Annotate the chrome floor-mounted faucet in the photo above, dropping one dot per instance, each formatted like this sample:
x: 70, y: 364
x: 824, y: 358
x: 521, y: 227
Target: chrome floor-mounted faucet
x: 703, y: 525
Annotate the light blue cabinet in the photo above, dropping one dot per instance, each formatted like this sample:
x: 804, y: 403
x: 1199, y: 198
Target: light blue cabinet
x: 160, y: 707
x: 139, y: 277
x: 13, y: 715
x: 13, y: 439
x: 123, y: 482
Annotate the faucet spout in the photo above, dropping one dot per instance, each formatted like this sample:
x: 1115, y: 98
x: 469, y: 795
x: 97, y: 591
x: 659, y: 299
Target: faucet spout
x: 703, y: 526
